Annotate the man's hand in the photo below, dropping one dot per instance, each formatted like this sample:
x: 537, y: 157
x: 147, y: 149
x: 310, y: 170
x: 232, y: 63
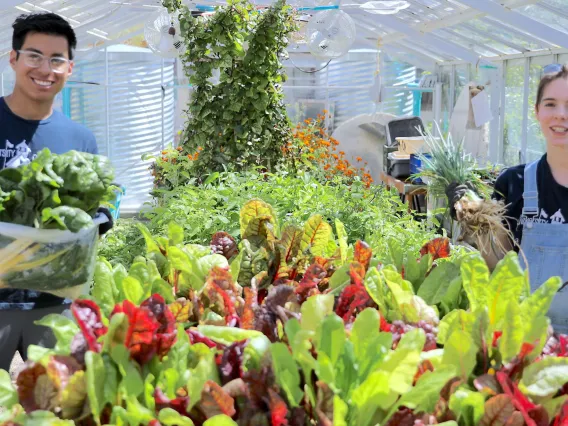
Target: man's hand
x: 456, y: 192
x: 107, y: 226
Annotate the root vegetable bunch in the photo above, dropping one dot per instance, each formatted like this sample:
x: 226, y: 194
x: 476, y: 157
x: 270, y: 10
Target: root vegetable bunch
x: 481, y: 218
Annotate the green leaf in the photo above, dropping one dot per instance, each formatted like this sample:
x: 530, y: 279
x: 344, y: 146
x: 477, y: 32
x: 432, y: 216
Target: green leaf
x: 426, y: 392
x: 475, y: 281
x: 95, y: 377
x: 220, y: 420
x: 506, y: 283
x: 227, y: 335
x: 545, y: 377
x: 290, y: 242
x: 175, y: 234
x: 402, y: 364
x: 236, y: 266
x: 317, y: 233
x: 251, y: 215
x: 286, y: 373
x: 73, y: 396
x: 340, y: 278
x: 151, y: 246
x: 468, y: 405
x: 375, y: 392
x: 340, y: 410
x: 374, y: 284
x: 104, y: 289
x: 332, y: 338
x: 461, y: 352
x: 342, y: 239
x: 63, y: 328
x: 314, y: 310
x: 110, y: 390
x: 369, y: 345
x: 553, y: 405
x: 132, y: 290
x: 437, y: 283
x: 206, y: 369
x: 131, y: 378
x: 538, y: 303
x: 180, y: 260
x: 8, y: 393
x: 513, y: 332
x: 170, y: 417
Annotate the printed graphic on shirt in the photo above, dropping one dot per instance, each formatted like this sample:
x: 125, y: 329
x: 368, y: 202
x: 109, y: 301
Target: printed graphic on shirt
x: 16, y: 155
x: 544, y: 217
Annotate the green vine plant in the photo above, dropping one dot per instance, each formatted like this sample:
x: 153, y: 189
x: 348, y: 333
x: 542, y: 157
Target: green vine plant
x: 240, y: 121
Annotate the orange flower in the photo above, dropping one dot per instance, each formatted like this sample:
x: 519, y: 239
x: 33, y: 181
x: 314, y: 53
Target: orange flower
x: 179, y: 148
x: 326, y: 167
x: 359, y: 159
x: 335, y: 156
x: 341, y: 153
x: 324, y: 111
x: 190, y: 157
x: 199, y: 148
x: 164, y: 152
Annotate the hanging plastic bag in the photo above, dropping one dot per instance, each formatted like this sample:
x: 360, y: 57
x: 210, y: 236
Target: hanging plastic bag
x: 48, y: 260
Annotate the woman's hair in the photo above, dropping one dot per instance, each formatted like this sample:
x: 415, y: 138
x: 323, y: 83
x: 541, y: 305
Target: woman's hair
x: 547, y: 79
x: 42, y: 23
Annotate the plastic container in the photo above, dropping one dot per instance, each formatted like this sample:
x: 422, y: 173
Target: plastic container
x: 115, y: 208
x: 416, y: 166
x: 48, y: 260
x: 399, y: 165
x: 410, y: 145
x: 406, y: 127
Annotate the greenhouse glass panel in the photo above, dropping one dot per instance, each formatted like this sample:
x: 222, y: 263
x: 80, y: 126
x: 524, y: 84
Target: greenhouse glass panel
x: 509, y: 33
x: 545, y: 16
x: 484, y: 40
x: 536, y: 144
x: 514, y: 88
x: 461, y: 77
x: 446, y: 35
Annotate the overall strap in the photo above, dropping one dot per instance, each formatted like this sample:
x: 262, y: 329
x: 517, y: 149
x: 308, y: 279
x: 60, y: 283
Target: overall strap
x: 530, y: 194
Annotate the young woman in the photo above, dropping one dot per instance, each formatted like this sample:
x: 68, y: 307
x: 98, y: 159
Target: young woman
x: 537, y: 194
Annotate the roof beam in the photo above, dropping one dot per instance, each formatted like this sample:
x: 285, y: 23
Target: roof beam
x: 417, y: 48
x: 471, y: 41
x: 457, y: 18
x: 519, y: 21
x: 438, y: 43
x: 496, y: 38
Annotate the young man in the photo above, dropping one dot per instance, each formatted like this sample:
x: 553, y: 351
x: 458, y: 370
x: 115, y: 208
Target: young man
x: 41, y: 58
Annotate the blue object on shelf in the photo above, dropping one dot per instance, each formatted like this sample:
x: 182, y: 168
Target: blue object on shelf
x: 416, y: 165
x: 115, y: 207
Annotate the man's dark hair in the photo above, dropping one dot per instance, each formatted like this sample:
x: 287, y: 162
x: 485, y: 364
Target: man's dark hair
x: 43, y: 23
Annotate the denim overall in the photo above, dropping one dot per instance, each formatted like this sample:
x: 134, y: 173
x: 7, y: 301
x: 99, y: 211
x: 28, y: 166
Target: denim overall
x: 545, y: 246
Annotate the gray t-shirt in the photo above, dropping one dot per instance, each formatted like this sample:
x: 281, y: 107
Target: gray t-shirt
x: 20, y: 141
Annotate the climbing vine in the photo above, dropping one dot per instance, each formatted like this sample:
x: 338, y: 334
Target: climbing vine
x: 240, y: 120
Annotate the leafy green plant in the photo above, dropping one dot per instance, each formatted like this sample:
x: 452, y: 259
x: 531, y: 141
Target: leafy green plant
x: 241, y: 120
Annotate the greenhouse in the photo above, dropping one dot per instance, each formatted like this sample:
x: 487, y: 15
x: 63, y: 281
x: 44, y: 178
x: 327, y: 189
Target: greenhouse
x: 302, y: 212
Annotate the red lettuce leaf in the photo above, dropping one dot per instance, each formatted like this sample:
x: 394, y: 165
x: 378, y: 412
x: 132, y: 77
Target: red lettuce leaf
x: 438, y: 248
x: 224, y: 244
x: 88, y: 317
x: 231, y: 366
x: 151, y: 328
x: 215, y: 400
x: 166, y: 334
x: 278, y: 408
x: 308, y: 285
x: 26, y: 382
x: 179, y: 404
x: 197, y: 337
x: 363, y: 254
x: 251, y: 304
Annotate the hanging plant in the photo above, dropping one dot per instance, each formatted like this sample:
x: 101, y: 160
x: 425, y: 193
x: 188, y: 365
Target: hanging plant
x: 240, y: 120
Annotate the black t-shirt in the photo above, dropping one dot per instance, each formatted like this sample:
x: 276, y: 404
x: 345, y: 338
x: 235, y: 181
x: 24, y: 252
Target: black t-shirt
x: 552, y: 197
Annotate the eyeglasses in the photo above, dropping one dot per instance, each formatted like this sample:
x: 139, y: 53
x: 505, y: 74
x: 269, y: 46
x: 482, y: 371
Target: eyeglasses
x: 35, y: 60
